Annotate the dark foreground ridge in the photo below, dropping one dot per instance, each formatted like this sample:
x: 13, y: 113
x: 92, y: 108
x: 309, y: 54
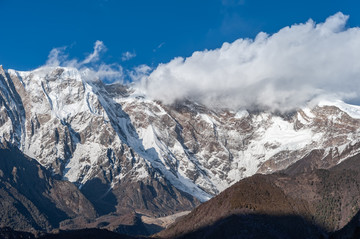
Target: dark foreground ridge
x: 32, y: 199
x: 241, y: 226
x: 258, y: 226
x: 316, y: 204
x: 92, y: 233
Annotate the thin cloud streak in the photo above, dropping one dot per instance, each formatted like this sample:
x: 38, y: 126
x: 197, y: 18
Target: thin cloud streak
x: 159, y: 46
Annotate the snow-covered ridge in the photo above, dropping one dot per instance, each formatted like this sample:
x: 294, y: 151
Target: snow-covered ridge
x: 352, y: 110
x: 82, y: 129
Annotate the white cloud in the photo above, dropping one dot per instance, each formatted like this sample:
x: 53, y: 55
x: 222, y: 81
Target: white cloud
x: 94, y: 56
x: 90, y: 66
x: 127, y: 56
x: 139, y: 73
x: 56, y: 56
x: 280, y: 71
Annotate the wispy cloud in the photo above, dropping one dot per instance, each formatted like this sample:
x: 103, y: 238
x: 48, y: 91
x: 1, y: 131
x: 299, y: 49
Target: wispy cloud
x: 159, y: 46
x: 94, y: 56
x: 128, y: 55
x: 56, y: 56
x: 278, y: 72
x: 91, y: 66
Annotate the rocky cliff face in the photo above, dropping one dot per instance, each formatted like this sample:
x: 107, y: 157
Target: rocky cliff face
x: 125, y: 151
x: 32, y: 199
x: 75, y: 129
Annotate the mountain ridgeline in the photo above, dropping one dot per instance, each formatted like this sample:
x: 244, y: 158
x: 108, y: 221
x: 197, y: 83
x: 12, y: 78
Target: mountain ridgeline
x: 323, y: 203
x: 79, y: 153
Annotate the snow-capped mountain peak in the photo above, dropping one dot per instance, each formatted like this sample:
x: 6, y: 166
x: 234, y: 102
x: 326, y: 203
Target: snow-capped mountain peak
x: 83, y: 129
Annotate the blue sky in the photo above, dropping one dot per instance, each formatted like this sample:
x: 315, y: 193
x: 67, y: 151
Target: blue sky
x: 152, y: 31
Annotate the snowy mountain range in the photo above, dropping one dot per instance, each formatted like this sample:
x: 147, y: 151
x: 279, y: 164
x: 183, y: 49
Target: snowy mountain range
x: 112, y: 141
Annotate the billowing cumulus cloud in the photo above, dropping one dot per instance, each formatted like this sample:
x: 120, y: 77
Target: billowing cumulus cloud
x: 282, y: 71
x: 91, y: 66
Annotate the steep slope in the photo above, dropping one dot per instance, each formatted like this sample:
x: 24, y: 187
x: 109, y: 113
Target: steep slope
x: 31, y: 199
x: 256, y: 200
x: 74, y: 128
x: 216, y: 148
x: 309, y: 204
x: 127, y: 152
x: 350, y: 231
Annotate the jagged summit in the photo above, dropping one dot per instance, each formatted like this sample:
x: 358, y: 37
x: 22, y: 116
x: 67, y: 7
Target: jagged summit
x: 95, y: 134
